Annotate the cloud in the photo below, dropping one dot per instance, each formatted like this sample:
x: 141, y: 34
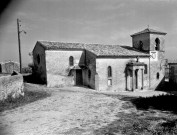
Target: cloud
x: 110, y: 6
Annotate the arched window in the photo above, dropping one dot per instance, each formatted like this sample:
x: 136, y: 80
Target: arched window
x: 157, y: 75
x: 109, y: 71
x: 109, y: 76
x: 141, y: 46
x: 157, y: 44
x: 38, y: 58
x: 71, y: 61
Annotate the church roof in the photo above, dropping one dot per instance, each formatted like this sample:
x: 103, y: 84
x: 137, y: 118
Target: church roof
x: 97, y: 49
x: 148, y: 30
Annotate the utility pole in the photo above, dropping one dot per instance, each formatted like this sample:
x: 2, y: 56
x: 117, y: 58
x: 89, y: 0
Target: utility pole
x: 19, y: 43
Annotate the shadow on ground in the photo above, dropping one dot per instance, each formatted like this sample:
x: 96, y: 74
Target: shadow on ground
x: 166, y: 86
x: 136, y: 124
x: 162, y: 102
x: 30, y: 78
x: 154, y: 115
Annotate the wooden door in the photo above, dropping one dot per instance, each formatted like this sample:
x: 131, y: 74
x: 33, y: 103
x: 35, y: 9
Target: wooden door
x: 79, y: 80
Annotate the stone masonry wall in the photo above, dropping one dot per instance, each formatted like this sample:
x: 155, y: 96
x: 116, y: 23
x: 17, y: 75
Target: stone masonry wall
x: 91, y: 65
x: 145, y: 38
x: 157, y: 67
x: 118, y: 73
x: 39, y: 64
x: 57, y: 65
x: 11, y: 86
x: 9, y: 67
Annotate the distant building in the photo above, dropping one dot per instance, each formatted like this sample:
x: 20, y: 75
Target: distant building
x: 103, y: 67
x: 9, y: 67
x: 172, y: 71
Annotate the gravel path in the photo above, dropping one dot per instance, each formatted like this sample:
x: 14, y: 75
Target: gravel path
x: 65, y: 112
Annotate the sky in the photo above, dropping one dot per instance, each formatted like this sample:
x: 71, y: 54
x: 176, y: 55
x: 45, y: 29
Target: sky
x: 84, y: 21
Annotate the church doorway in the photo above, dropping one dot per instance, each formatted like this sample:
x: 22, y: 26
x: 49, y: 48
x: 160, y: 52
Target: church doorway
x: 79, y: 80
x: 135, y: 75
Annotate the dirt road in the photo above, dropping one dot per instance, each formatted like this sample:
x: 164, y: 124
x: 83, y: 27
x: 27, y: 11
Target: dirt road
x: 64, y: 112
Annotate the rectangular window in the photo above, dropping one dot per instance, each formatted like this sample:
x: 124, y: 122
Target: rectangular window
x: 109, y: 82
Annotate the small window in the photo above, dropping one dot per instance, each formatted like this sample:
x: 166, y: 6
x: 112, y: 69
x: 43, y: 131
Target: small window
x: 145, y: 69
x: 89, y: 74
x: 109, y: 82
x: 71, y: 61
x: 141, y: 45
x: 157, y: 44
x: 109, y: 76
x: 157, y: 75
x: 38, y: 58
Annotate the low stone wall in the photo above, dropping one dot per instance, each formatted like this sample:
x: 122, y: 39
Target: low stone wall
x: 59, y: 81
x: 11, y: 86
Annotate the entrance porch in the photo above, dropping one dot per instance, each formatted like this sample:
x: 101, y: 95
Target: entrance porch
x: 135, y: 76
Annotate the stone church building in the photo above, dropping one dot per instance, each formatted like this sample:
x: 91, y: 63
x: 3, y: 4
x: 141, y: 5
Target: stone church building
x: 103, y: 67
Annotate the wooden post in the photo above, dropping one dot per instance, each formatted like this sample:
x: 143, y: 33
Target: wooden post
x: 19, y: 45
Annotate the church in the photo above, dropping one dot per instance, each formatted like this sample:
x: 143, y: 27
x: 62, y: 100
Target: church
x: 103, y: 67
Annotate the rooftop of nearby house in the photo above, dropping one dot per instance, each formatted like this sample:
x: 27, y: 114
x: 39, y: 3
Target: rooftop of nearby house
x: 97, y: 49
x: 148, y: 30
x: 172, y: 61
x: 9, y: 62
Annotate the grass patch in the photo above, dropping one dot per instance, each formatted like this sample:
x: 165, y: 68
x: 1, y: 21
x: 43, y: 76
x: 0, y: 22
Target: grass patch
x: 30, y: 96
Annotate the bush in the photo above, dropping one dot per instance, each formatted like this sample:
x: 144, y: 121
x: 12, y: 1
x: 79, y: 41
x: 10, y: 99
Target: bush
x: 26, y: 70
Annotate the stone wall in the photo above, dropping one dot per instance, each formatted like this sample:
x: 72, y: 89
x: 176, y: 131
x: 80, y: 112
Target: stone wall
x: 58, y: 68
x: 39, y: 64
x: 118, y: 66
x: 157, y: 67
x: 9, y: 67
x: 156, y: 74
x: 145, y: 38
x: 89, y: 80
x: 11, y: 86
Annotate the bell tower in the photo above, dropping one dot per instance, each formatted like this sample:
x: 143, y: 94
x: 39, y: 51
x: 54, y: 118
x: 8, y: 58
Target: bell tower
x: 152, y: 42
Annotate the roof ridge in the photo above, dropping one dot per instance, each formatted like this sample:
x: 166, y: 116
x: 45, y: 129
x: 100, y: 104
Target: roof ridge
x: 148, y: 30
x: 42, y: 41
